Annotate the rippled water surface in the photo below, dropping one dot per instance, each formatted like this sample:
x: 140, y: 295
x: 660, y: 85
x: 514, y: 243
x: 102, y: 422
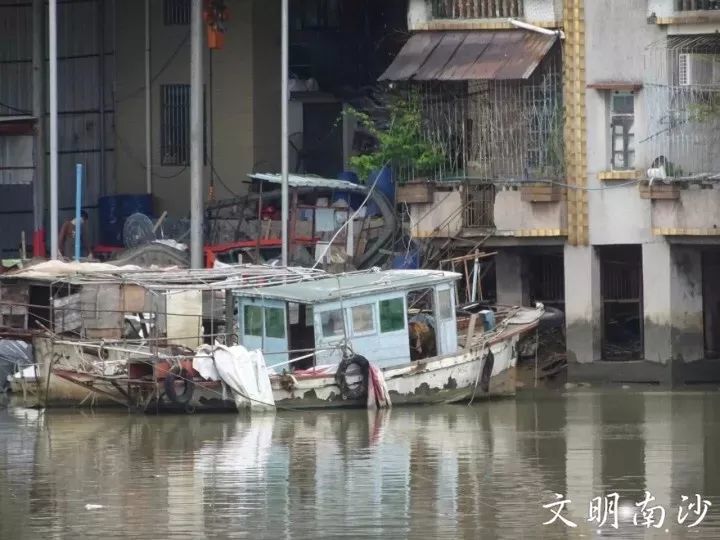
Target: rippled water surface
x: 451, y: 472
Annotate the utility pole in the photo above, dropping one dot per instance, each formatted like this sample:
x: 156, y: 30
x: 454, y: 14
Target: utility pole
x: 52, y: 32
x: 284, y: 130
x: 196, y: 135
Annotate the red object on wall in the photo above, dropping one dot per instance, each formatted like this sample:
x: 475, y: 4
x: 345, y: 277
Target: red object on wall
x: 216, y: 14
x: 39, y: 243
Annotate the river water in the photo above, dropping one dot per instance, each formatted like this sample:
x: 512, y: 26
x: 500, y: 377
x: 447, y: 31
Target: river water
x: 484, y: 471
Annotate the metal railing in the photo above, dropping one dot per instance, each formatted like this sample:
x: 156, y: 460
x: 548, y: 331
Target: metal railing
x: 696, y: 5
x: 476, y: 9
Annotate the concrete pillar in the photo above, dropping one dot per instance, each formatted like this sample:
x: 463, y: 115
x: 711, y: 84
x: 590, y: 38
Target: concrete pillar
x: 512, y: 288
x: 656, y: 301
x: 672, y: 290
x: 687, y: 303
x: 582, y: 304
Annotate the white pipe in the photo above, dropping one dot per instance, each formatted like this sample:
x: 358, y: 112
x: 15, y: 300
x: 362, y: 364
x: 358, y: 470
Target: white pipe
x: 52, y: 32
x: 148, y: 103
x: 196, y: 135
x: 284, y: 97
x: 538, y: 29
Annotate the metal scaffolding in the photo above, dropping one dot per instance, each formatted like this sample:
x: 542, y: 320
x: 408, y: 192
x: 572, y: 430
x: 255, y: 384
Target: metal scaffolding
x: 496, y: 131
x: 682, y: 95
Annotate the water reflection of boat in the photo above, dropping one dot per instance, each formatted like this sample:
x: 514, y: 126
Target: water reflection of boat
x: 423, y: 472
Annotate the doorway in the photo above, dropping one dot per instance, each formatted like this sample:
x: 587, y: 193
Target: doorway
x: 621, y: 302
x: 711, y: 302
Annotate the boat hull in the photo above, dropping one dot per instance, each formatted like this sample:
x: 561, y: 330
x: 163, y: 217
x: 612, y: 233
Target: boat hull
x: 475, y: 374
x: 450, y: 379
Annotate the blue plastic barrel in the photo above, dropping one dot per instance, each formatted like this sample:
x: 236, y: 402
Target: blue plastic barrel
x: 385, y: 185
x: 488, y: 319
x: 113, y: 210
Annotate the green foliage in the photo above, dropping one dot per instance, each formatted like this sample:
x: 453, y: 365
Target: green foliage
x: 400, y: 144
x: 706, y: 110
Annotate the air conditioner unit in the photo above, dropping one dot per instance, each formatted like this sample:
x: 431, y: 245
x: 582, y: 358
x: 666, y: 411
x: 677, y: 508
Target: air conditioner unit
x: 699, y: 69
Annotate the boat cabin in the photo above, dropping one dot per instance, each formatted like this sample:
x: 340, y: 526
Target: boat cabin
x: 390, y: 317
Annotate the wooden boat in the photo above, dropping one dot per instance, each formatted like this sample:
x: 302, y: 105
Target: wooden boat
x: 320, y: 339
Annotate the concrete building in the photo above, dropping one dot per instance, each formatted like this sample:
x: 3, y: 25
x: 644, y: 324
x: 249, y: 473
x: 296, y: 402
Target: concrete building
x: 337, y: 50
x: 598, y: 189
x: 587, y: 155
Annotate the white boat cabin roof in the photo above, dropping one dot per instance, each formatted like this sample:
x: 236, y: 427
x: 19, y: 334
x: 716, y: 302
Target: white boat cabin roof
x: 351, y: 285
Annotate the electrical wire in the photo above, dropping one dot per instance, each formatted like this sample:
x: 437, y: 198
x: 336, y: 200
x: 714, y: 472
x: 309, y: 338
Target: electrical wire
x: 15, y: 109
x: 126, y: 148
x: 162, y: 69
x: 349, y: 220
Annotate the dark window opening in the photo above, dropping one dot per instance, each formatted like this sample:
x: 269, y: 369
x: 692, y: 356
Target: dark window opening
x: 316, y: 15
x: 695, y: 5
x: 711, y: 302
x: 302, y: 335
x: 622, y: 302
x: 479, y: 205
x: 176, y: 12
x: 546, y: 276
x: 175, y: 125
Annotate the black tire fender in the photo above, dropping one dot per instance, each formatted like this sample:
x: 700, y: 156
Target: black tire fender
x: 487, y: 372
x: 358, y: 391
x: 173, y: 374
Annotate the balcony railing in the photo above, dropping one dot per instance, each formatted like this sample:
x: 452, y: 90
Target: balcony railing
x: 476, y: 9
x: 696, y: 5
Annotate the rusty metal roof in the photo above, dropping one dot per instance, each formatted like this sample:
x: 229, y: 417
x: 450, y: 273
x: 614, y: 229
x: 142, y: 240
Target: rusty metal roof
x: 471, y: 55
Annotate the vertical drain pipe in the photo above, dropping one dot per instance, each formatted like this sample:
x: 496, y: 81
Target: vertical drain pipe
x: 38, y: 238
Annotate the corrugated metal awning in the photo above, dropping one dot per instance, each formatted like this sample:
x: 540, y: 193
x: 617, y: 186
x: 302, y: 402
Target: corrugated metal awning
x: 472, y: 55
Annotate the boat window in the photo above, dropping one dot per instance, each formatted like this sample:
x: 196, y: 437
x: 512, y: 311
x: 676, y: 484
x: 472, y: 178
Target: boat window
x: 309, y: 316
x: 252, y: 320
x: 363, y: 319
x: 293, y: 313
x: 274, y: 322
x: 444, y: 304
x: 332, y: 323
x: 392, y: 316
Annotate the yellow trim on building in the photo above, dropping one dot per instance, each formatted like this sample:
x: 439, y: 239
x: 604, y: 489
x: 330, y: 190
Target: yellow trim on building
x: 700, y: 17
x: 686, y: 232
x: 575, y: 132
x: 479, y: 24
x: 619, y: 175
x: 529, y: 233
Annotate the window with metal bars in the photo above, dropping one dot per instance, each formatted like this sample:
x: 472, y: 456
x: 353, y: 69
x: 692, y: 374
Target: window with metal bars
x: 479, y: 205
x: 696, y: 5
x: 476, y: 9
x: 622, y: 137
x: 316, y: 15
x: 175, y: 125
x: 176, y: 12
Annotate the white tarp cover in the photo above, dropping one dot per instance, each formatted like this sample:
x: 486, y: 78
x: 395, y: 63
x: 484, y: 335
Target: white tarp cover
x: 243, y: 371
x: 57, y: 268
